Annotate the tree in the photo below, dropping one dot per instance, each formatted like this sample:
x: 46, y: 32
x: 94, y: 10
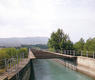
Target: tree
x: 90, y: 45
x: 53, y: 42
x: 59, y: 41
x: 79, y: 45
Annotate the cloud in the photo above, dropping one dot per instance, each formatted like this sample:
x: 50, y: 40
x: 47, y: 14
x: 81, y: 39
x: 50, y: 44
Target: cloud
x: 22, y: 18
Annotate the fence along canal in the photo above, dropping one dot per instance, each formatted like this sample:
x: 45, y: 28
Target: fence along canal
x: 90, y: 54
x: 12, y: 64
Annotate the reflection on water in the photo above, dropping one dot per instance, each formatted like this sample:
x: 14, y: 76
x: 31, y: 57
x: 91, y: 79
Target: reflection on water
x: 50, y: 70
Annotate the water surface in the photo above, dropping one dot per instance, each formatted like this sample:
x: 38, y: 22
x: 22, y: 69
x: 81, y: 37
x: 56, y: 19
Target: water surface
x: 47, y: 69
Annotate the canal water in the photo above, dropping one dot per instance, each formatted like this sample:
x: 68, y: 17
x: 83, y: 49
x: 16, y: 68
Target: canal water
x: 47, y: 69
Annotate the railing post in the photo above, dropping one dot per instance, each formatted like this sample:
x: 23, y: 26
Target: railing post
x: 93, y: 55
x: 17, y: 62
x: 20, y: 57
x: 70, y: 52
x: 87, y: 53
x: 81, y: 53
x: 5, y: 65
x: 74, y: 53
x: 65, y: 51
x: 8, y: 65
x: 11, y: 64
x: 23, y: 56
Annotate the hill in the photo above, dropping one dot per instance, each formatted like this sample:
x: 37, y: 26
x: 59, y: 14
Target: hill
x: 15, y: 42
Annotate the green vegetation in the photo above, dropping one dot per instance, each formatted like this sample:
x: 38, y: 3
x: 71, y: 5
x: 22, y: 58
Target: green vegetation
x: 13, y: 54
x: 37, y: 46
x: 59, y: 41
x: 10, y: 52
x: 40, y: 46
x: 89, y: 45
x: 79, y: 45
x: 87, y: 48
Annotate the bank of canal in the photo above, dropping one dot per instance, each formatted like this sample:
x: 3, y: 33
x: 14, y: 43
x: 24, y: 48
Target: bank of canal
x: 47, y: 69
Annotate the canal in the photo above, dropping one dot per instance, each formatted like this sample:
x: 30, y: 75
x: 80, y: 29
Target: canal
x: 47, y: 69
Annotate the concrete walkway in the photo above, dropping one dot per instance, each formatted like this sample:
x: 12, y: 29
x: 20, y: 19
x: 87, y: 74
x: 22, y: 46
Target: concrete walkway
x: 31, y: 55
x: 11, y: 73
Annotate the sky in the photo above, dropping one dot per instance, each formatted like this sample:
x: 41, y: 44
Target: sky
x: 32, y: 18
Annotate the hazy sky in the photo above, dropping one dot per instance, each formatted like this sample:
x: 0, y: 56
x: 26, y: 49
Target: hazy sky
x: 29, y: 18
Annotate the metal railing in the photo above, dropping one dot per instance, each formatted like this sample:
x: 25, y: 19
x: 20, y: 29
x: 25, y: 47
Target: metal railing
x: 90, y: 54
x: 11, y: 64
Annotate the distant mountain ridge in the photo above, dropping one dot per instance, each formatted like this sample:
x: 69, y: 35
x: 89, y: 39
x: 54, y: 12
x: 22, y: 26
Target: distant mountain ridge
x: 14, y: 42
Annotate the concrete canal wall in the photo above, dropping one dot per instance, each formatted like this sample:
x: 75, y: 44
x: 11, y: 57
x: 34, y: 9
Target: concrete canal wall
x: 86, y: 62
x: 41, y: 54
x: 86, y: 65
x: 23, y: 73
x: 82, y: 64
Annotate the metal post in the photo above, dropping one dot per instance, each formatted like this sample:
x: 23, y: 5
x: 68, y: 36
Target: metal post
x: 93, y: 55
x: 74, y: 53
x: 11, y: 64
x: 20, y: 57
x: 23, y: 55
x: 8, y: 65
x: 87, y: 53
x: 65, y: 51
x: 17, y: 62
x: 5, y: 65
x: 81, y: 53
x: 70, y: 52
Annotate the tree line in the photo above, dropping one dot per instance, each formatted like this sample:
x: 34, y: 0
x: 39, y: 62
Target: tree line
x: 60, y: 41
x: 88, y: 45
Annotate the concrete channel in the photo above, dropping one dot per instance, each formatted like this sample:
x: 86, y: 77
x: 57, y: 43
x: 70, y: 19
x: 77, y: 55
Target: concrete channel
x: 35, y: 67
